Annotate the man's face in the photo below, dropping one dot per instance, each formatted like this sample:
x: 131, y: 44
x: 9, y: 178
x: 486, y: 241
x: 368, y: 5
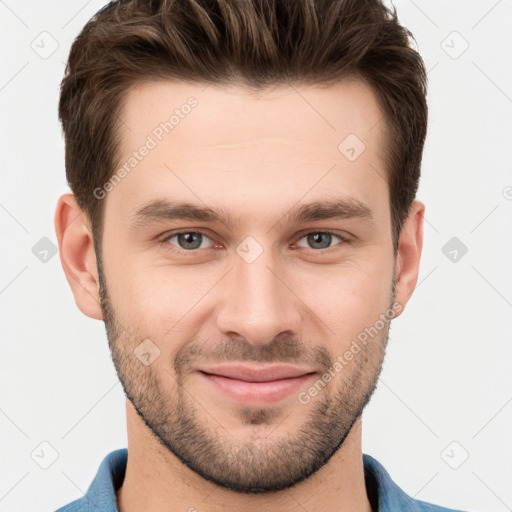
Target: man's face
x: 268, y: 288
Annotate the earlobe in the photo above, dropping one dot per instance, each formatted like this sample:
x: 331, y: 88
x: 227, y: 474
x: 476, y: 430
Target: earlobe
x: 409, y: 253
x: 77, y: 255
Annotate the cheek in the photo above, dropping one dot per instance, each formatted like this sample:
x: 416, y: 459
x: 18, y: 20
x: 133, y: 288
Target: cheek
x: 349, y: 299
x: 161, y: 302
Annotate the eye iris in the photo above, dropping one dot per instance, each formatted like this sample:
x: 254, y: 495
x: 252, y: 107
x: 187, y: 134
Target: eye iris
x: 189, y: 239
x: 317, y: 237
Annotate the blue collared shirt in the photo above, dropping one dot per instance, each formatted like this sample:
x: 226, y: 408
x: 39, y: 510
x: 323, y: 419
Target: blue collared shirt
x: 383, y: 493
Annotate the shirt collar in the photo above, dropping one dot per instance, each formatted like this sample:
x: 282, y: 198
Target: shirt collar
x: 386, y: 493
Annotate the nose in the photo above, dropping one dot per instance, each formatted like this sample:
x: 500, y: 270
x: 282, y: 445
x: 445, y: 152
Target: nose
x: 258, y: 301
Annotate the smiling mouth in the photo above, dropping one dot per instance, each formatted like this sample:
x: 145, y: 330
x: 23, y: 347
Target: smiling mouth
x: 264, y: 387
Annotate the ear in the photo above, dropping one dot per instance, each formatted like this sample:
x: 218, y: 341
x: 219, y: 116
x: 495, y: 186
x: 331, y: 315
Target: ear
x: 409, y: 254
x: 77, y: 255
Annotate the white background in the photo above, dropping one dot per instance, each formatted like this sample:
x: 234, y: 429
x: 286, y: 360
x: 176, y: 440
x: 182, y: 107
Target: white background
x: 447, y: 375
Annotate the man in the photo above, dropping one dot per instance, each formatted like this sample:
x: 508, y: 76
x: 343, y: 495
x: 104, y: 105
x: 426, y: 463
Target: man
x: 243, y: 219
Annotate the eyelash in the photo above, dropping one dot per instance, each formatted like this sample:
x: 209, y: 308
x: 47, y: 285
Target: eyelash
x: 169, y: 247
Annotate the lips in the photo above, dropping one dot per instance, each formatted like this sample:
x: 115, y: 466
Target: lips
x: 248, y: 373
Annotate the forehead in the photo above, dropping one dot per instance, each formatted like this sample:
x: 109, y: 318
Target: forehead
x: 272, y: 145
x: 315, y: 113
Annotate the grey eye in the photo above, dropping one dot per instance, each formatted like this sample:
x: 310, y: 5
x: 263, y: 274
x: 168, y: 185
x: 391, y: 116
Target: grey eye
x: 188, y: 240
x: 320, y: 239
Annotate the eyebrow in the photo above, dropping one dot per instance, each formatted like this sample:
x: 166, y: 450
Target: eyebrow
x: 160, y: 210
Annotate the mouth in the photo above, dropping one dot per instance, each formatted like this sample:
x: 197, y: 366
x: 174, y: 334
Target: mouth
x: 256, y: 385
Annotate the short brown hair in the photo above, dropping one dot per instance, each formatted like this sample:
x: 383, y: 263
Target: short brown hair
x: 254, y: 43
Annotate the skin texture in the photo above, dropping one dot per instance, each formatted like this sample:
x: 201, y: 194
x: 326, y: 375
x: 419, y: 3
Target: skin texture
x: 303, y: 300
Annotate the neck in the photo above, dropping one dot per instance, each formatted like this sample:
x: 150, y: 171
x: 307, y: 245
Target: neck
x: 156, y: 480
